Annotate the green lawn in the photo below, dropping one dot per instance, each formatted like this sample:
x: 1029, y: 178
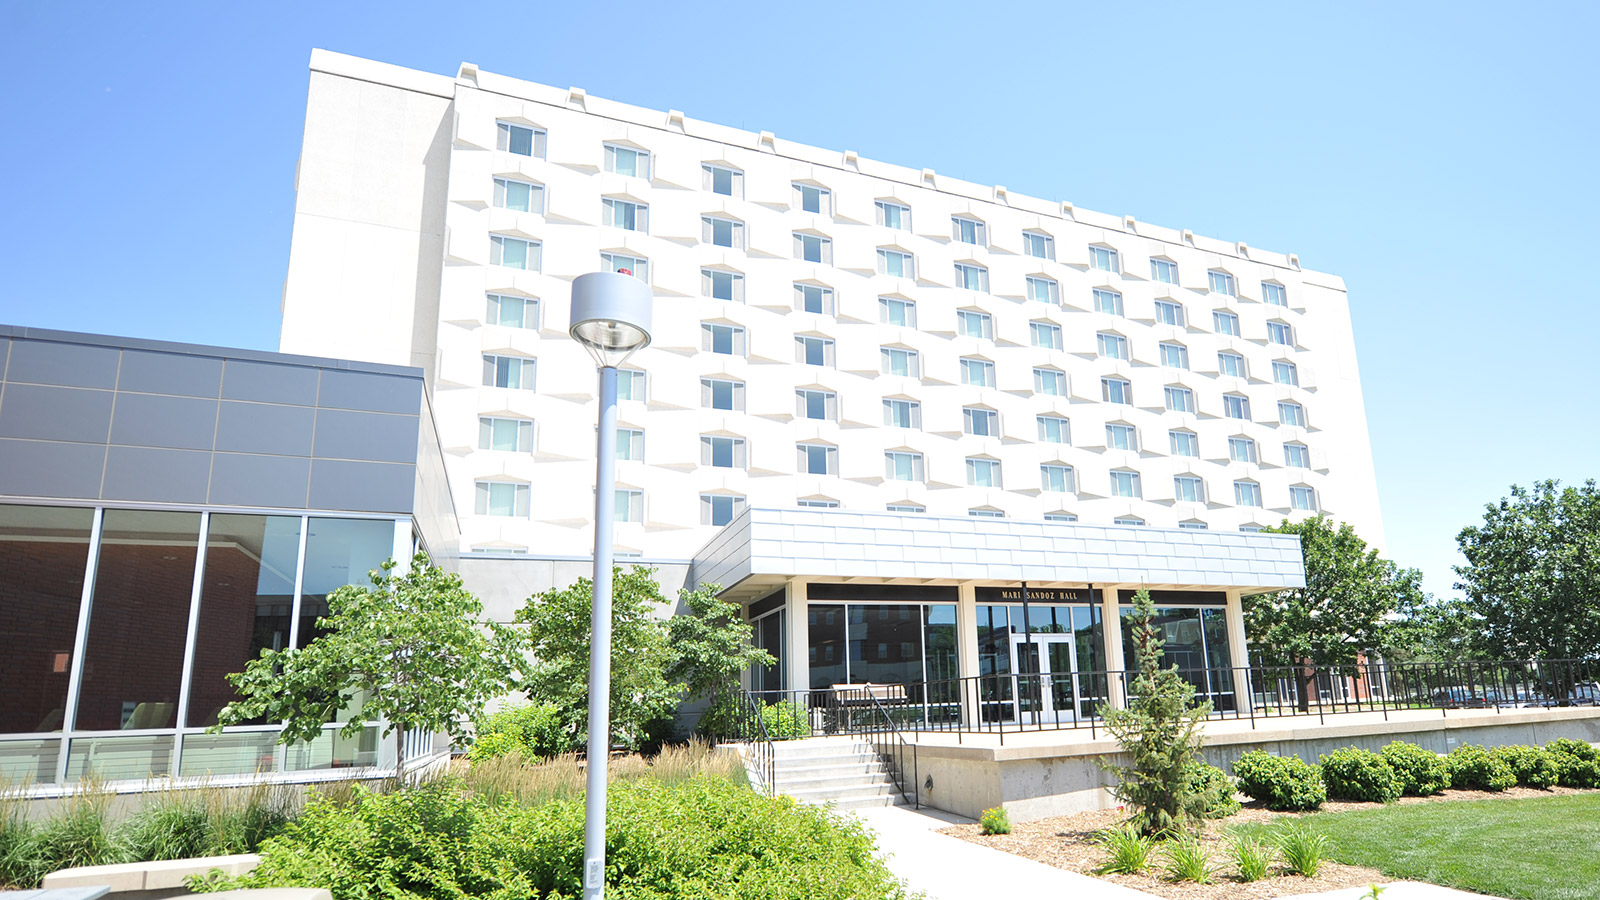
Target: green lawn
x: 1545, y: 848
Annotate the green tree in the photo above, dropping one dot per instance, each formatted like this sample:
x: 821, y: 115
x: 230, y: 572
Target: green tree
x: 411, y: 650
x: 642, y: 697
x: 711, y: 644
x: 1160, y: 731
x: 1532, y: 576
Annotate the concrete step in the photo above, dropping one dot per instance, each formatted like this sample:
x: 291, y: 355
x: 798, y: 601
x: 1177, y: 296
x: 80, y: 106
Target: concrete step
x: 842, y: 796
x: 807, y: 750
x: 836, y: 759
x: 797, y: 785
x: 872, y: 802
x: 857, y: 767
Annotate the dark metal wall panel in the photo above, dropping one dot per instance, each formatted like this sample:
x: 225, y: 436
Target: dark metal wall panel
x: 344, y: 434
x: 170, y: 373
x: 51, y: 469
x: 70, y: 365
x: 152, y: 420
x: 265, y: 428
x: 46, y: 413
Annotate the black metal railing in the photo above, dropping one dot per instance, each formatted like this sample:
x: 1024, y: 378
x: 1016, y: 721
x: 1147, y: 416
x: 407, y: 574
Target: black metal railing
x: 899, y: 756
x: 761, y: 756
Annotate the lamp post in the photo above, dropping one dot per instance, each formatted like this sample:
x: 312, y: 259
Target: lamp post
x: 611, y: 319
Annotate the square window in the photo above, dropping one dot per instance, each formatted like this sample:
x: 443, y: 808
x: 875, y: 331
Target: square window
x: 813, y: 298
x: 630, y: 506
x: 1274, y: 294
x: 971, y: 323
x: 1057, y: 479
x: 981, y: 422
x: 510, y: 435
x: 1044, y: 290
x: 722, y: 180
x: 1109, y: 302
x: 967, y: 231
x: 813, y: 248
x: 519, y: 196
x: 1291, y: 414
x: 630, y: 384
x: 1116, y: 390
x: 902, y: 466
x: 811, y: 404
x: 1126, y: 484
x: 1241, y: 449
x: 1054, y: 430
x: 813, y: 199
x: 627, y: 161
x: 630, y: 444
x: 623, y: 214
x: 520, y: 140
x: 1279, y: 333
x: 720, y: 285
x: 816, y: 459
x: 1045, y: 334
x: 721, y: 393
x: 897, y: 312
x: 617, y: 262
x: 720, y: 232
x: 977, y: 372
x: 1169, y: 313
x: 1246, y: 493
x: 894, y: 215
x: 514, y: 253
x: 813, y: 351
x: 899, y: 361
x: 1184, y: 443
x: 1285, y: 373
x: 972, y: 278
x: 1038, y: 246
x: 1189, y: 489
x: 1302, y: 497
x: 1179, y: 399
x: 902, y: 414
x: 1225, y: 323
x: 719, y: 509
x: 1230, y: 364
x: 1163, y: 270
x: 514, y: 372
x: 727, y: 340
x: 1121, y: 437
x: 983, y: 472
x: 1221, y: 283
x: 500, y: 498
x: 1235, y: 406
x: 1112, y: 346
x: 1296, y: 456
x: 722, y: 452
x: 1175, y: 356
x: 1104, y: 259
x: 1050, y: 382
x: 512, y: 312
x: 896, y: 263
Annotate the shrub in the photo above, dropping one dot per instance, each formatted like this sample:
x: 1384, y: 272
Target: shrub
x: 785, y: 720
x: 1421, y: 772
x: 1283, y: 783
x: 1577, y: 763
x: 494, y: 745
x: 1127, y: 850
x: 1532, y: 766
x: 1304, y: 850
x: 1253, y: 858
x: 996, y: 821
x: 1220, y: 792
x: 1188, y: 860
x: 1361, y: 775
x: 1474, y: 768
x: 533, y: 729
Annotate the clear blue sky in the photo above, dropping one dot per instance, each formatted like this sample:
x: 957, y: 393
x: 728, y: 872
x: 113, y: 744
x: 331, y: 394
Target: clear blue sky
x: 1440, y: 157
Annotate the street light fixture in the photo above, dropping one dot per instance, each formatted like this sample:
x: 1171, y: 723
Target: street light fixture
x: 611, y: 319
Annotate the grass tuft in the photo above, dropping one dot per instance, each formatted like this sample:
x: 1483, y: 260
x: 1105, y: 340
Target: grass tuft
x: 1127, y: 850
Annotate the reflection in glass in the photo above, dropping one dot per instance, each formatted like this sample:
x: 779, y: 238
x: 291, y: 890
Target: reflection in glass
x: 339, y: 552
x: 133, y: 662
x: 246, y: 594
x: 767, y: 634
x: 885, y: 643
x: 1182, y: 643
x: 334, y: 751
x: 43, y: 553
x: 114, y: 758
x: 232, y: 753
x: 825, y: 627
x: 29, y: 762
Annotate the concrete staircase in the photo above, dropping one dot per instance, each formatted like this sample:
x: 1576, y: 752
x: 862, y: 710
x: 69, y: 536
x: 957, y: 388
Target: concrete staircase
x: 843, y: 771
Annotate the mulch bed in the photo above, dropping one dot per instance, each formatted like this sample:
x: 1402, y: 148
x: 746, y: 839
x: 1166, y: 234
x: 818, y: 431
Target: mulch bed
x: 1065, y: 842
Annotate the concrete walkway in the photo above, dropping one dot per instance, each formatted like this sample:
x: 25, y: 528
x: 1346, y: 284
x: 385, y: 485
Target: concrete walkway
x: 1398, y: 890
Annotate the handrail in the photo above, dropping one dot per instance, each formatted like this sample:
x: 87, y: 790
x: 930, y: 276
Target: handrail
x: 766, y: 761
x: 897, y: 767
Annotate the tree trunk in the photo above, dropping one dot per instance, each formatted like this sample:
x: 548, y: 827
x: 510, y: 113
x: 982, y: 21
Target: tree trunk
x: 399, y: 757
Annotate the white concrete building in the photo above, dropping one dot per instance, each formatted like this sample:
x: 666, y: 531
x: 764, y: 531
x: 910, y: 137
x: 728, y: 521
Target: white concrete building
x: 831, y: 330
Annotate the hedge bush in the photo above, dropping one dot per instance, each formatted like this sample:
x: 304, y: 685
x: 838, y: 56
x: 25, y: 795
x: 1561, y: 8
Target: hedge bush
x: 534, y: 730
x: 1283, y: 783
x: 1533, y: 767
x: 1474, y: 768
x: 1577, y: 763
x: 1361, y: 775
x: 1219, y: 789
x: 1421, y: 772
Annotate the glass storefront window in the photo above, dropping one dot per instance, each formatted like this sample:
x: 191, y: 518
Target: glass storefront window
x: 118, y: 758
x: 767, y: 634
x: 825, y: 624
x: 335, y: 751
x: 230, y: 753
x: 30, y: 761
x: 885, y: 643
x: 43, y: 553
x: 339, y: 552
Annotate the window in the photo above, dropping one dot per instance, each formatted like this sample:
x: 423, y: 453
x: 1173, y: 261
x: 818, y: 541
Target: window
x: 501, y: 498
x: 1196, y: 526
x: 1060, y: 517
x: 1246, y: 493
x: 1045, y: 334
x: 1291, y: 414
x: 1286, y: 373
x: 1179, y: 399
x: 1221, y: 283
x: 1184, y: 443
x: 1054, y: 430
x: 979, y: 372
x: 720, y: 285
x: 1127, y: 520
x: 810, y: 404
x: 721, y: 180
x: 813, y: 298
x: 1056, y: 479
x: 1302, y: 497
x: 720, y: 232
x: 1112, y: 346
x: 812, y: 199
x: 1250, y: 529
x: 722, y: 393
x: 1225, y: 323
x: 1044, y: 290
x: 1126, y: 484
x: 514, y: 372
x: 817, y: 504
x: 1230, y: 364
x: 1168, y: 313
x: 816, y: 459
x: 978, y: 421
x: 894, y: 215
x: 630, y: 384
x: 896, y: 263
x: 902, y: 413
x: 719, y: 509
x: 1050, y: 382
x: 627, y: 161
x: 1038, y: 246
x: 813, y: 351
x: 1104, y: 259
x: 724, y: 339
x: 1279, y: 333
x: 813, y: 248
x: 1297, y: 456
x: 1109, y: 302
x: 520, y: 139
x: 905, y: 508
x: 899, y: 361
x: 722, y: 452
x: 630, y: 444
x: 1242, y: 449
x: 985, y: 513
x: 1274, y: 294
x: 1189, y: 489
x: 897, y: 312
x: 972, y: 278
x: 616, y: 262
x: 512, y: 312
x: 967, y: 231
x: 971, y: 323
x: 513, y: 253
x: 630, y: 506
x: 1163, y: 270
x: 983, y: 472
x: 1235, y: 406
x: 900, y: 465
x: 1121, y: 437
x: 1175, y: 356
x: 520, y: 196
x: 513, y: 435
x: 624, y: 214
x: 1116, y: 390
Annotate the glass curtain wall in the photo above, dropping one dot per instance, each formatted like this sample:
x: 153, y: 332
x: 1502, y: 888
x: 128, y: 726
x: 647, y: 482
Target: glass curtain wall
x: 997, y: 626
x: 896, y: 643
x: 1195, y: 639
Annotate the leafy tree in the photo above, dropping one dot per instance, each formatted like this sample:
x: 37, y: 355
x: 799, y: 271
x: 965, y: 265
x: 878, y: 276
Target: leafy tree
x: 642, y: 696
x: 412, y: 648
x: 1532, y: 576
x: 711, y: 644
x: 1160, y: 730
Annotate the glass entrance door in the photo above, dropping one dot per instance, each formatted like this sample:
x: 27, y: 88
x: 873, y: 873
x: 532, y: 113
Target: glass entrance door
x: 1046, y: 690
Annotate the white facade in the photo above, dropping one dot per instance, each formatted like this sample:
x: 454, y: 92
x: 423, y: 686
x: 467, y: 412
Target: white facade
x: 403, y: 185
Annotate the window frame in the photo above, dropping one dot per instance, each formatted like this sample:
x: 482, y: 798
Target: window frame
x: 532, y: 247
x: 501, y: 189
x: 610, y: 151
x: 1045, y: 241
